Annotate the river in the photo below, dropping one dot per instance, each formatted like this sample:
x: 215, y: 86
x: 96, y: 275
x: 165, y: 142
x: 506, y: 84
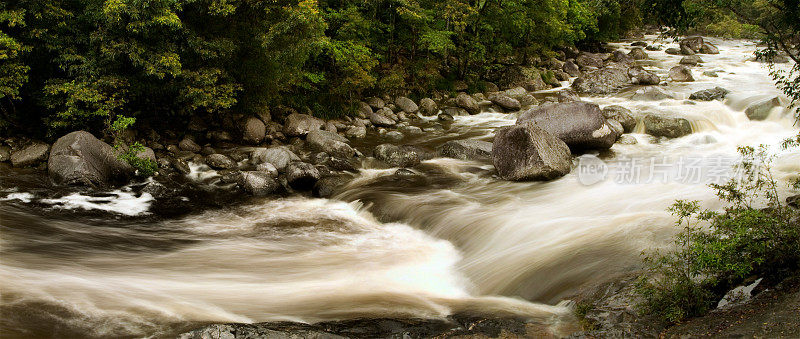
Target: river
x: 451, y: 238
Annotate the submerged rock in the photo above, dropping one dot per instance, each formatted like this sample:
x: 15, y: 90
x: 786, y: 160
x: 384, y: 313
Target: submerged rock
x: 579, y: 124
x: 467, y: 149
x: 398, y: 156
x: 79, y: 158
x: 666, y: 126
x: 528, y: 152
x: 715, y: 93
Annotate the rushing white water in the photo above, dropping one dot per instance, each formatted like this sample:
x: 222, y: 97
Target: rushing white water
x: 457, y: 240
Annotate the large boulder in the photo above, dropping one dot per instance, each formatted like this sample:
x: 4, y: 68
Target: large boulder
x: 681, y: 74
x: 469, y: 149
x: 694, y: 43
x: 760, y: 109
x: 428, y: 107
x: 79, y: 158
x: 253, y: 130
x: 672, y: 51
x: 302, y: 175
x: 398, y: 156
x: 468, y: 103
x: 30, y: 155
x: 356, y: 132
x: 406, y: 105
x: 298, y: 125
x: 188, y: 144
x: 278, y: 156
x: 258, y: 183
x: 375, y: 102
x: 331, y: 143
x: 621, y: 57
x: 220, y: 161
x: 669, y: 126
x: 622, y: 115
x: 716, y: 93
x: 603, y: 81
x: 506, y: 102
x: 528, y: 152
x: 579, y: 124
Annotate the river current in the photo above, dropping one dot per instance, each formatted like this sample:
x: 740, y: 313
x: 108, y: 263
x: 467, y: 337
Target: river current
x: 451, y: 238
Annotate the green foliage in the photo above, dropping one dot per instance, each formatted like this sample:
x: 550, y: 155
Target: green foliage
x: 756, y: 234
x: 132, y: 154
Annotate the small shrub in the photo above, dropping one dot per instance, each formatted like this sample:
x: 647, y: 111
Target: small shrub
x: 130, y: 153
x: 756, y: 234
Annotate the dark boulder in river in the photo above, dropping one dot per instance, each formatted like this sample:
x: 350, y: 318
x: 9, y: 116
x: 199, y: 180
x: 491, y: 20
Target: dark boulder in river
x: 669, y: 126
x: 715, y: 93
x: 79, y: 158
x: 467, y: 149
x: 527, y: 152
x: 579, y: 124
x: 602, y: 81
x: 302, y: 175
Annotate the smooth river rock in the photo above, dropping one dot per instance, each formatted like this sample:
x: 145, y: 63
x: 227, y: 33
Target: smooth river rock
x: 579, y: 124
x: 79, y: 158
x: 528, y: 152
x: 669, y: 126
x: 469, y: 149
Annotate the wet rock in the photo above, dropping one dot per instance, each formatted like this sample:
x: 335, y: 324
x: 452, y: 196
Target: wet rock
x: 528, y: 152
x: 455, y: 111
x: 640, y: 76
x: 716, y: 93
x: 328, y: 186
x: 364, y: 110
x: 253, y: 130
x: 394, y: 136
x: 686, y: 50
x: 654, y: 48
x: 469, y: 149
x: 652, y: 93
x: 639, y: 44
x: 267, y: 168
x: 344, y: 164
x: 381, y: 120
x: 579, y: 124
x: 681, y: 74
x: 694, y: 43
x: 708, y: 48
x: 331, y: 143
x: 621, y: 57
x: 356, y: 132
x: 375, y: 103
x: 301, y: 175
x: 673, y: 51
x: 568, y: 95
x: 571, y: 68
x: 79, y: 158
x: 5, y: 153
x: 666, y: 126
x: 258, y: 183
x: 638, y: 54
x: 444, y: 117
x: 428, y: 107
x: 506, y: 102
x: 405, y: 174
x: 603, y: 81
x: 406, y: 105
x: 397, y: 156
x: 297, y: 125
x: 279, y: 156
x: 585, y: 60
x: 468, y: 103
x: 760, y: 110
x: 187, y: 144
x: 30, y: 155
x: 180, y: 165
x: 220, y: 161
x: 627, y: 140
x: 622, y: 115
x: 691, y: 60
x: 710, y: 74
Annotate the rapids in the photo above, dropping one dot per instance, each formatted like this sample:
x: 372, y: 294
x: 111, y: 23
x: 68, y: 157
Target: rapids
x: 452, y: 238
